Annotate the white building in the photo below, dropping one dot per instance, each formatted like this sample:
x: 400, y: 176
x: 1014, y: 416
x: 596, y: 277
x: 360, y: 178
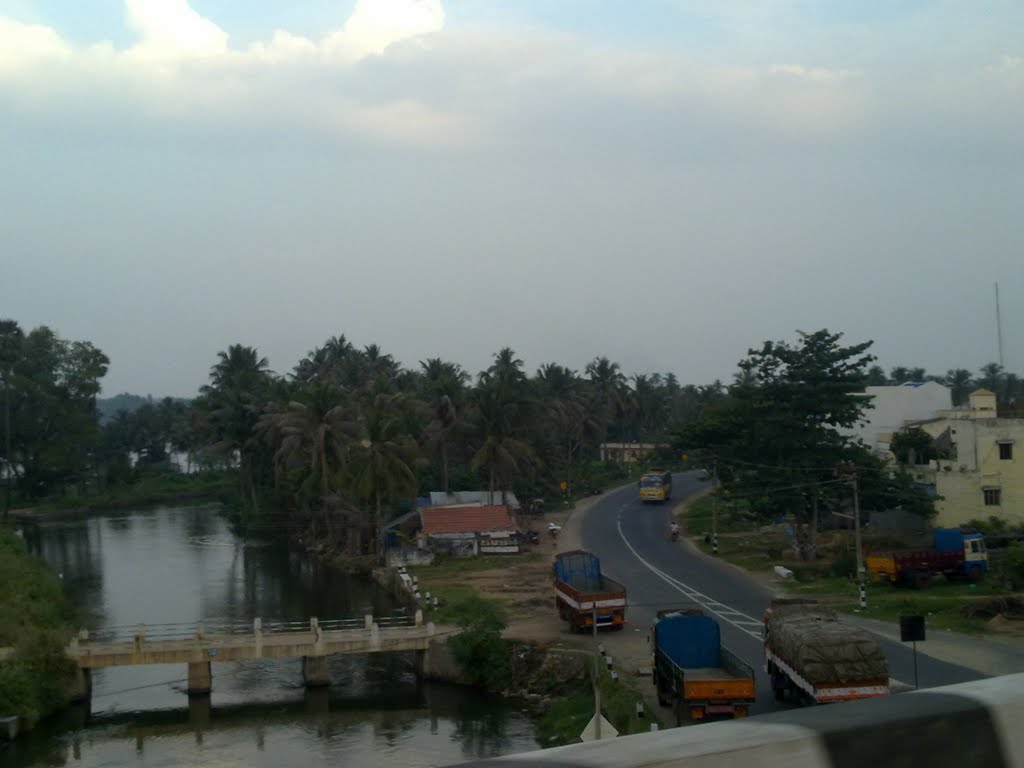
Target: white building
x: 893, y: 407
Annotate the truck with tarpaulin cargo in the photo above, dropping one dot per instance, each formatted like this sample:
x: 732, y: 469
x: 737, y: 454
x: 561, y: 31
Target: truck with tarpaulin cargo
x: 655, y: 486
x: 813, y: 657
x: 953, y: 554
x: 693, y: 672
x: 584, y: 595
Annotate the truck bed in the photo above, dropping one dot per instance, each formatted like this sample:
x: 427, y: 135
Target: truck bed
x: 710, y: 673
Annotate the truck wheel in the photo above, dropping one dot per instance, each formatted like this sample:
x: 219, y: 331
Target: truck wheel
x: 739, y: 712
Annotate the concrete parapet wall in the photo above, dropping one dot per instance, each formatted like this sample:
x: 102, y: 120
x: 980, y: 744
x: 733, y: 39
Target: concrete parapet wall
x: 973, y: 724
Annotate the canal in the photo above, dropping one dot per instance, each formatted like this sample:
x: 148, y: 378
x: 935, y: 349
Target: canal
x: 184, y: 565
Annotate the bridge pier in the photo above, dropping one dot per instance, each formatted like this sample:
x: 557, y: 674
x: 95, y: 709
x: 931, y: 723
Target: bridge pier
x: 200, y: 678
x: 314, y: 672
x: 81, y: 686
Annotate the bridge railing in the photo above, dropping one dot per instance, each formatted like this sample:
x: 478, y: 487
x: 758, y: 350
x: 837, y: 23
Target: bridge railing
x: 222, y: 627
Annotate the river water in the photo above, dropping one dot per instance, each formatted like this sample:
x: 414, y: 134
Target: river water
x: 183, y: 565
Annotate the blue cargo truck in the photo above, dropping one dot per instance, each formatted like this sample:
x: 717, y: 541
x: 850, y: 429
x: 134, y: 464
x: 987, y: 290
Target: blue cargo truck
x: 693, y: 672
x: 583, y: 593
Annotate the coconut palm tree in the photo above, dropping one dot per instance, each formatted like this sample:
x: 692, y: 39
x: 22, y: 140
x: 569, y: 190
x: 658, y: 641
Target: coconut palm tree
x: 607, y: 385
x: 382, y: 460
x: 444, y: 387
x: 231, y: 405
x: 500, y: 452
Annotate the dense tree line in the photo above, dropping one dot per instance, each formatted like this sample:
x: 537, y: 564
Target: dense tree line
x: 337, y: 445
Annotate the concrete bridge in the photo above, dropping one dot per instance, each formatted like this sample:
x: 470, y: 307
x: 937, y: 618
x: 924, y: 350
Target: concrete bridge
x: 198, y: 645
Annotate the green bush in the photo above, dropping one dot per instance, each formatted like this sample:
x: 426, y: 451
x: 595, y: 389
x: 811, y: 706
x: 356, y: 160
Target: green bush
x: 479, y: 649
x: 844, y: 565
x: 1013, y: 563
x: 33, y: 620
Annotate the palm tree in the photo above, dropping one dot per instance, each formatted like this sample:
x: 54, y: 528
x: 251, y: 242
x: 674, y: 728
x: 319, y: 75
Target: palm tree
x: 324, y: 363
x: 960, y: 383
x: 562, y: 393
x: 382, y: 460
x: 992, y: 378
x: 232, y: 403
x: 500, y: 453
x: 607, y: 383
x: 444, y: 389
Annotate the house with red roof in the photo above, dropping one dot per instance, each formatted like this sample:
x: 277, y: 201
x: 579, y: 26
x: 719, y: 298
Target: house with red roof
x: 469, y: 530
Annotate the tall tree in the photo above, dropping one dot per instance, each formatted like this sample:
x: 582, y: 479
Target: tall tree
x: 383, y: 459
x: 232, y: 404
x: 444, y: 386
x: 607, y: 384
x: 11, y: 341
x: 960, y: 384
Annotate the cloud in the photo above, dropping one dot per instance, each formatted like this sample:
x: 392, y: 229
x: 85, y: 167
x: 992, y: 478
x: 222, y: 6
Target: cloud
x: 171, y: 29
x: 23, y: 46
x: 377, y: 24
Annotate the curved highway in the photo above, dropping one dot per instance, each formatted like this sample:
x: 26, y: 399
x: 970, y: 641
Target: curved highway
x: 631, y: 539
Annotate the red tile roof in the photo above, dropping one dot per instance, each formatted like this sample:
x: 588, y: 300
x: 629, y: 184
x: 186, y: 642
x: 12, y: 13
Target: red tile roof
x: 465, y: 519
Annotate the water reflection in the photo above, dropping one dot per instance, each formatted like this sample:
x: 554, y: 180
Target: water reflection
x: 184, y: 565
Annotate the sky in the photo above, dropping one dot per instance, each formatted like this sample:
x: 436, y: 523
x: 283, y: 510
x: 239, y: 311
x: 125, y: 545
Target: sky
x: 666, y: 183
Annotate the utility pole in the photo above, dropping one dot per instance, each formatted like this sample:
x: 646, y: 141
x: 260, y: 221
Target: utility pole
x: 857, y: 539
x: 597, y: 681
x: 714, y: 507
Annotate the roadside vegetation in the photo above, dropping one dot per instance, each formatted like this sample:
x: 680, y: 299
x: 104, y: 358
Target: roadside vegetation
x: 965, y: 607
x: 34, y: 622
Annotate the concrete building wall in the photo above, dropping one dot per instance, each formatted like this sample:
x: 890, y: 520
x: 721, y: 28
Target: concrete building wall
x: 893, y: 406
x: 989, y: 462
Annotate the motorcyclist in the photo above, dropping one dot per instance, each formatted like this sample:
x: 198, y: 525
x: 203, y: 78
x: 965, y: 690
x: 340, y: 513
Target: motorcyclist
x: 673, y: 530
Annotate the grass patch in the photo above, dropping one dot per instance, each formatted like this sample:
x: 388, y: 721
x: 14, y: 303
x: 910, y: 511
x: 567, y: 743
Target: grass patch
x: 941, y: 603
x: 566, y: 718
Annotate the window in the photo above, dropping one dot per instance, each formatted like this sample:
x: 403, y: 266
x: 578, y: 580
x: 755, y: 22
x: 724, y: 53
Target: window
x: 993, y: 496
x: 1006, y: 451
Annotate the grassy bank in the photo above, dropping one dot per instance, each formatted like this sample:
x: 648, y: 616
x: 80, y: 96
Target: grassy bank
x: 566, y: 718
x: 34, y: 617
x: 964, y: 607
x: 157, y: 489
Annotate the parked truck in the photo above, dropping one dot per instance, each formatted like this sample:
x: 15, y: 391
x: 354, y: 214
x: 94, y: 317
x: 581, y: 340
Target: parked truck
x: 955, y: 554
x: 583, y: 593
x: 693, y: 672
x: 813, y: 657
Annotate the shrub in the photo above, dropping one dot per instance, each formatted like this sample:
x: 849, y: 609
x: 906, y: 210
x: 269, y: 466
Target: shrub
x: 1013, y: 563
x: 479, y: 649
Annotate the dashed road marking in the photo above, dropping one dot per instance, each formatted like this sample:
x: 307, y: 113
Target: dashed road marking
x: 721, y: 610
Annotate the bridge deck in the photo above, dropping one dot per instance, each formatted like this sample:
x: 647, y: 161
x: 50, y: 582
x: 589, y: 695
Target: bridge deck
x: 234, y: 646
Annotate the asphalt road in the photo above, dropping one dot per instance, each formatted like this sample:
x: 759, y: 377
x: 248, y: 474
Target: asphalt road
x: 631, y: 540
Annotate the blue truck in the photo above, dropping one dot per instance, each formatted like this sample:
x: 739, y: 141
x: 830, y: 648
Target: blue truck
x: 693, y: 672
x: 955, y: 554
x: 583, y: 593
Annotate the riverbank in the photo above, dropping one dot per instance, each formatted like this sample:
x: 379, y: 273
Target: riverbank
x: 36, y: 678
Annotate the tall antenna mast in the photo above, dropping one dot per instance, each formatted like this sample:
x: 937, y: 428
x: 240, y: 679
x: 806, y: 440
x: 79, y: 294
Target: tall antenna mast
x: 999, y: 328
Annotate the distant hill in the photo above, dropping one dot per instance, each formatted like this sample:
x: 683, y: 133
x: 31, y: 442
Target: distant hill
x: 109, y: 407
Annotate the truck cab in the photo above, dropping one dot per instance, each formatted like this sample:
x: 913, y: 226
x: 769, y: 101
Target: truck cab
x: 972, y: 545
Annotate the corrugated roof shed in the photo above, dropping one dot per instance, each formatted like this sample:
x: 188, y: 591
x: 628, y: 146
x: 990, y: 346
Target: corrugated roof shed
x: 465, y: 519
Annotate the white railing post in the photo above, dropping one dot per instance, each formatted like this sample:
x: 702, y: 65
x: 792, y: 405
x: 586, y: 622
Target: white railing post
x: 419, y: 617
x: 200, y: 631
x: 368, y: 621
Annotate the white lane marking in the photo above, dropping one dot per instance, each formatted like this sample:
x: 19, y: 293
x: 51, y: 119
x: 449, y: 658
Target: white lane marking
x: 724, y: 612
